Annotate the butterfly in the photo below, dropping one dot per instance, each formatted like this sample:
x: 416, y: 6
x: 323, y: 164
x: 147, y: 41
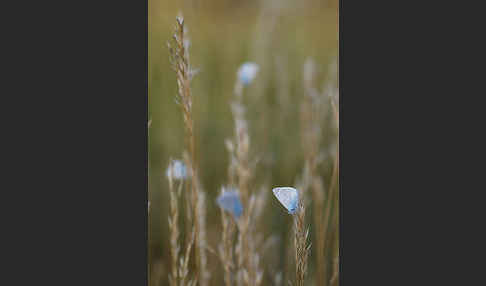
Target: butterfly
x: 288, y: 197
x: 230, y: 201
x: 177, y: 170
x: 247, y: 72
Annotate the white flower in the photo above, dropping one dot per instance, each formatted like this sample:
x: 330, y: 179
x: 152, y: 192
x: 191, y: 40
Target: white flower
x: 247, y: 72
x: 177, y: 170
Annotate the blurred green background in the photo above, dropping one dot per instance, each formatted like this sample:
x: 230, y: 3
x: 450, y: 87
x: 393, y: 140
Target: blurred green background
x: 279, y: 36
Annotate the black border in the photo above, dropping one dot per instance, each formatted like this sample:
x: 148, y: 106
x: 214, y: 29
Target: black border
x: 83, y: 219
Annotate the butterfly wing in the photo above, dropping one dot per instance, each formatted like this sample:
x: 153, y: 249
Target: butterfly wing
x: 237, y: 207
x: 288, y: 197
x: 230, y: 202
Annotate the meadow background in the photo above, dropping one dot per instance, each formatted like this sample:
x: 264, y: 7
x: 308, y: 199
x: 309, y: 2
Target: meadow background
x: 279, y: 36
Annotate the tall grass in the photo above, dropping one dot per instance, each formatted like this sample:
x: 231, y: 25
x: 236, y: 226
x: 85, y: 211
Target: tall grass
x: 226, y: 247
x: 174, y: 228
x: 239, y: 147
x: 300, y: 245
x: 179, y: 55
x: 283, y: 126
x: 180, y: 266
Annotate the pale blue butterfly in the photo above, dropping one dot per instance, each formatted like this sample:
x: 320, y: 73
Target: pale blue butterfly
x: 247, y: 72
x: 288, y: 197
x: 177, y: 170
x: 230, y: 201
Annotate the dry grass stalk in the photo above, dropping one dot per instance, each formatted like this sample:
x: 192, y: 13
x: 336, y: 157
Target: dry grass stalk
x: 184, y: 263
x: 204, y: 274
x: 188, y: 204
x: 289, y: 259
x: 334, y: 280
x: 312, y: 117
x: 226, y: 248
x: 179, y: 265
x: 301, y: 249
x: 248, y: 260
x: 241, y: 141
x: 335, y: 275
x: 333, y: 92
x: 312, y: 113
x: 255, y: 240
x: 179, y: 58
x: 333, y: 191
x: 174, y: 231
